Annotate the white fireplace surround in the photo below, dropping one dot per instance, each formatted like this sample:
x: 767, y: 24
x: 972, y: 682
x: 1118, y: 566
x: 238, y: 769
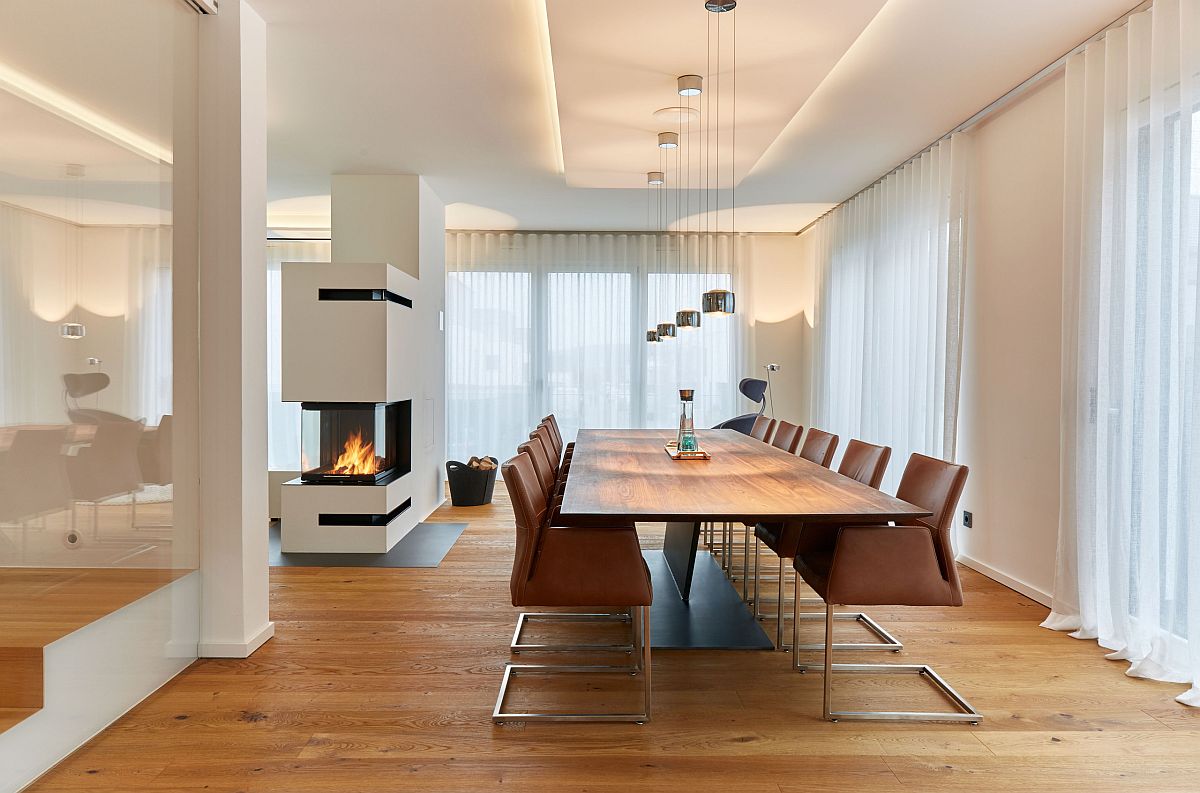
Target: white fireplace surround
x: 348, y: 332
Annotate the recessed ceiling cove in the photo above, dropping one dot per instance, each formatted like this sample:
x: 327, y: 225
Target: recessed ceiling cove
x: 615, y: 64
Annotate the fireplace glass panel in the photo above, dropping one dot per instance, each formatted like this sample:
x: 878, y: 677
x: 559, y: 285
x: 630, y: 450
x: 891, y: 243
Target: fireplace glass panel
x: 354, y: 443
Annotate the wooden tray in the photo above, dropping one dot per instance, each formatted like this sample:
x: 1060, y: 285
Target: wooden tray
x: 675, y: 454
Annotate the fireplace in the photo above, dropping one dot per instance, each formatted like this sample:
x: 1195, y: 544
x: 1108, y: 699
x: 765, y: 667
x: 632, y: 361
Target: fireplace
x: 355, y: 443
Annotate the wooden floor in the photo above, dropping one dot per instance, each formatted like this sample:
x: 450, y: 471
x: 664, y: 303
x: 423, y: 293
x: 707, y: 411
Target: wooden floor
x: 384, y: 680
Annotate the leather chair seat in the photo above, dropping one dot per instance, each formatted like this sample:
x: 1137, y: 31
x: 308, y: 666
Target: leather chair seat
x: 589, y: 567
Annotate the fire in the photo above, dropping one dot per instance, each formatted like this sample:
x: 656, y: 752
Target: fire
x: 357, y: 457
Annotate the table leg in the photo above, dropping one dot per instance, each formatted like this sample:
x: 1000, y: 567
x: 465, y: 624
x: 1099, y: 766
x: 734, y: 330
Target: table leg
x: 679, y: 550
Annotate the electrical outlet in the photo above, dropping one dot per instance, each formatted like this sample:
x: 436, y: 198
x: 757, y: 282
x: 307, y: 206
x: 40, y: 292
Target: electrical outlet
x: 968, y: 519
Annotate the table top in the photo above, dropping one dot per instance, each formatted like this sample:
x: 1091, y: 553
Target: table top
x: 627, y: 474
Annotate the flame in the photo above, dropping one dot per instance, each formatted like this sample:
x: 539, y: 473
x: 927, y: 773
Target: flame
x: 357, y: 457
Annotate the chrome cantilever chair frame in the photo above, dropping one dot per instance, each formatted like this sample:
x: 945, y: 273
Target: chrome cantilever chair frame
x: 641, y: 668
x: 886, y: 640
x: 517, y: 646
x: 966, y: 711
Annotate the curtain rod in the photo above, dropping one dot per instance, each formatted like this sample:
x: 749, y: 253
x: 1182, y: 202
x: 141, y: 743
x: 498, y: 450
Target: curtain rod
x: 996, y: 105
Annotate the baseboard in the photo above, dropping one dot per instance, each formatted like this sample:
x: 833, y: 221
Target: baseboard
x: 1015, y: 584
x: 237, y: 649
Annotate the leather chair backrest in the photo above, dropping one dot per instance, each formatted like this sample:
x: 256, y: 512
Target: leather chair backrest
x: 819, y: 447
x: 555, y: 431
x: 529, y: 512
x: 33, y: 473
x: 541, y: 465
x: 762, y: 429
x: 108, y: 466
x: 542, y: 434
x: 787, y: 436
x: 936, y: 485
x: 865, y: 462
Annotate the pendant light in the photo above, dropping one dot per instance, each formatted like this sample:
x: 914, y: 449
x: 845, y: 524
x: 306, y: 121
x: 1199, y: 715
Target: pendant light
x: 653, y: 179
x: 723, y: 301
x: 74, y: 329
x: 666, y: 141
x: 688, y: 85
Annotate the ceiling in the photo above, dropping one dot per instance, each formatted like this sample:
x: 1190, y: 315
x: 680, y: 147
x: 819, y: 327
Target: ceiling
x: 99, y: 99
x: 833, y: 96
x: 615, y: 64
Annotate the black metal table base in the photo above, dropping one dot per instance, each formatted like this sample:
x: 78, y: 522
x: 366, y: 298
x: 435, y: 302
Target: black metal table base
x: 713, y: 617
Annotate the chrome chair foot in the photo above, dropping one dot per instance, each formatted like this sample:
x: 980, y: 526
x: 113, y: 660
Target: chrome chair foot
x: 641, y: 668
x: 517, y: 646
x: 965, y: 712
x: 500, y: 716
x: 886, y: 640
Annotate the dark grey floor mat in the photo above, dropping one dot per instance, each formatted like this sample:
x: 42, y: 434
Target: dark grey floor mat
x: 425, y: 546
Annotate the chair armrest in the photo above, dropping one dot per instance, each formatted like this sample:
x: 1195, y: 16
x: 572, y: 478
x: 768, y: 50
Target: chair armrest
x: 888, y: 565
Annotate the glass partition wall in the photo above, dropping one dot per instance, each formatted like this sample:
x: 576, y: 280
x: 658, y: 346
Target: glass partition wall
x: 97, y: 260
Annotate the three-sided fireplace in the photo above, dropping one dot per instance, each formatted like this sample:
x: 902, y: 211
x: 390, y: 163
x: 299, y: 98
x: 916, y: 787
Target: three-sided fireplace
x: 353, y: 443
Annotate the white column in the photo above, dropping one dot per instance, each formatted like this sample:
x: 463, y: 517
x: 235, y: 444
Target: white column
x: 233, y: 346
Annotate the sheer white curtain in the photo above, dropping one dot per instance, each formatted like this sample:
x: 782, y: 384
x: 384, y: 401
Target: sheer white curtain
x: 148, y: 334
x: 1129, y: 530
x: 889, y: 309
x: 283, y: 418
x: 556, y: 323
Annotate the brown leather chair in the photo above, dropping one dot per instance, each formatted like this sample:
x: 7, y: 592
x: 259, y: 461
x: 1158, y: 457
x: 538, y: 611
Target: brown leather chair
x: 762, y: 429
x: 107, y: 467
x: 862, y: 462
x: 865, y: 462
x: 565, y: 448
x: 573, y: 567
x: 541, y: 434
x: 819, y: 447
x: 895, y: 565
x: 787, y: 436
x: 552, y: 489
x: 33, y: 478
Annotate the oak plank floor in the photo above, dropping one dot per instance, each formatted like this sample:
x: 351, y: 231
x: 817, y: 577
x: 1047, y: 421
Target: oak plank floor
x: 384, y: 680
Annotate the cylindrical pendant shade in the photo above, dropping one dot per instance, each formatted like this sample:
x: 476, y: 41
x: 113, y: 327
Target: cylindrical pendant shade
x: 666, y: 330
x: 668, y: 140
x: 72, y: 330
x: 655, y: 177
x: 652, y: 335
x: 689, y: 84
x: 718, y: 301
x: 687, y: 318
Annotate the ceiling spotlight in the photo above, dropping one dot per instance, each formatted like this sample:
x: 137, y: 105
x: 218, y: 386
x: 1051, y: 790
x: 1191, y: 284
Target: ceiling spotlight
x: 668, y: 140
x: 720, y: 6
x: 690, y: 85
x: 655, y: 177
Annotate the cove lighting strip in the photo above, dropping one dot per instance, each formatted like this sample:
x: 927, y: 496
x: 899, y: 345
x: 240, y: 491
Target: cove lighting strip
x: 551, y: 88
x: 45, y: 97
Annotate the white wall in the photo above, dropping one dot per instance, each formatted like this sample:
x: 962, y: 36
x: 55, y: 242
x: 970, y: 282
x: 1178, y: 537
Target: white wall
x: 429, y: 458
x: 1009, y: 415
x: 783, y: 294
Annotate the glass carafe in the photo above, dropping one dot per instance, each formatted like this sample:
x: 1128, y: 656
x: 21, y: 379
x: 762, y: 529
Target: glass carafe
x: 686, y: 440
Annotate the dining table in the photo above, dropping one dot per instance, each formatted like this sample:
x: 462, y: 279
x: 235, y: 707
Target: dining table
x: 629, y: 475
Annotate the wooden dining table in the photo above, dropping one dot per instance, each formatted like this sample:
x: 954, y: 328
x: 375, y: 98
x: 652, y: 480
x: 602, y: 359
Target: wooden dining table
x: 627, y: 475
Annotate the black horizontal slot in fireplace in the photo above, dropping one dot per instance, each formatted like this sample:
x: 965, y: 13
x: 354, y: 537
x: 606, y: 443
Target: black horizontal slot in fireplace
x: 357, y: 519
x: 363, y: 294
x: 355, y: 443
